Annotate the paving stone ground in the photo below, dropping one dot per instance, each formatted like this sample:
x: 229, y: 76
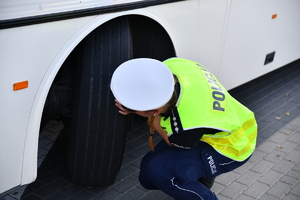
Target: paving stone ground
x: 273, y: 172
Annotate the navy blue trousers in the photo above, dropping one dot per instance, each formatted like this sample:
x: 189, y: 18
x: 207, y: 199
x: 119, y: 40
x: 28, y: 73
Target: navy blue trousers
x: 176, y: 171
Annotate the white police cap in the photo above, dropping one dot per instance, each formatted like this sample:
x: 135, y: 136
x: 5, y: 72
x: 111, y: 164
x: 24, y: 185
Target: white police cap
x: 142, y: 84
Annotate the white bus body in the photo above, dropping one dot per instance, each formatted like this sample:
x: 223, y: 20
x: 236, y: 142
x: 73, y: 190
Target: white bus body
x: 230, y: 38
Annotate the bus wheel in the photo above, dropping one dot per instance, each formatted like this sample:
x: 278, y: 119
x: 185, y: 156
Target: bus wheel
x: 98, y: 131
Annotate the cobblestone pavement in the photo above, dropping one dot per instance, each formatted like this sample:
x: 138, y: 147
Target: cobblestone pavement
x: 273, y: 172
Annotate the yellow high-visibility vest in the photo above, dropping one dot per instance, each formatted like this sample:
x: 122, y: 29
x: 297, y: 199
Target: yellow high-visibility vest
x: 205, y: 103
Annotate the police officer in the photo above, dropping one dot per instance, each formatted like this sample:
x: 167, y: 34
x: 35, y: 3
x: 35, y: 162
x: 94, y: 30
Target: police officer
x: 205, y: 131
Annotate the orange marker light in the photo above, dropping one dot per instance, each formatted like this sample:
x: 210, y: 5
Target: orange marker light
x: 274, y: 16
x: 20, y: 85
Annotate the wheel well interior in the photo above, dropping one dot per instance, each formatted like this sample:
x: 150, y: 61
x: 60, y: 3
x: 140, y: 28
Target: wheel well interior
x: 150, y: 39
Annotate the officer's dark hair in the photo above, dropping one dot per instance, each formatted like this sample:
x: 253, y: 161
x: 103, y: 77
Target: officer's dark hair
x: 167, y: 107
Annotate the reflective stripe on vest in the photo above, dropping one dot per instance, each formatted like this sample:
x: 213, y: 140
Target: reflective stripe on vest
x: 205, y: 103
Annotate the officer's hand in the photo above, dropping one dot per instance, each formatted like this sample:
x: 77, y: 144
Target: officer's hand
x: 122, y: 110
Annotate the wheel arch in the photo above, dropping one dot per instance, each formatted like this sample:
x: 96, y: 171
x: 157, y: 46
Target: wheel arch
x: 29, y: 169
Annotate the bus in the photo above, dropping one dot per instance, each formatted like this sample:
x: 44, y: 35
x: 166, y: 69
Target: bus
x: 57, y: 58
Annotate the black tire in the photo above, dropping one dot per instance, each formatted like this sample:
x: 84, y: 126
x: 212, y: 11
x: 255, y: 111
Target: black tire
x: 98, y: 131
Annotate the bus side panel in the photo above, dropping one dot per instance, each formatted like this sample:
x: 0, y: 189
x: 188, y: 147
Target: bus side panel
x: 27, y: 55
x: 211, y: 24
x: 179, y: 20
x: 254, y: 31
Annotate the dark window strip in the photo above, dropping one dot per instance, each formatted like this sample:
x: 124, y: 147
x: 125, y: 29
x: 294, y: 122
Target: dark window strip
x: 24, y: 21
